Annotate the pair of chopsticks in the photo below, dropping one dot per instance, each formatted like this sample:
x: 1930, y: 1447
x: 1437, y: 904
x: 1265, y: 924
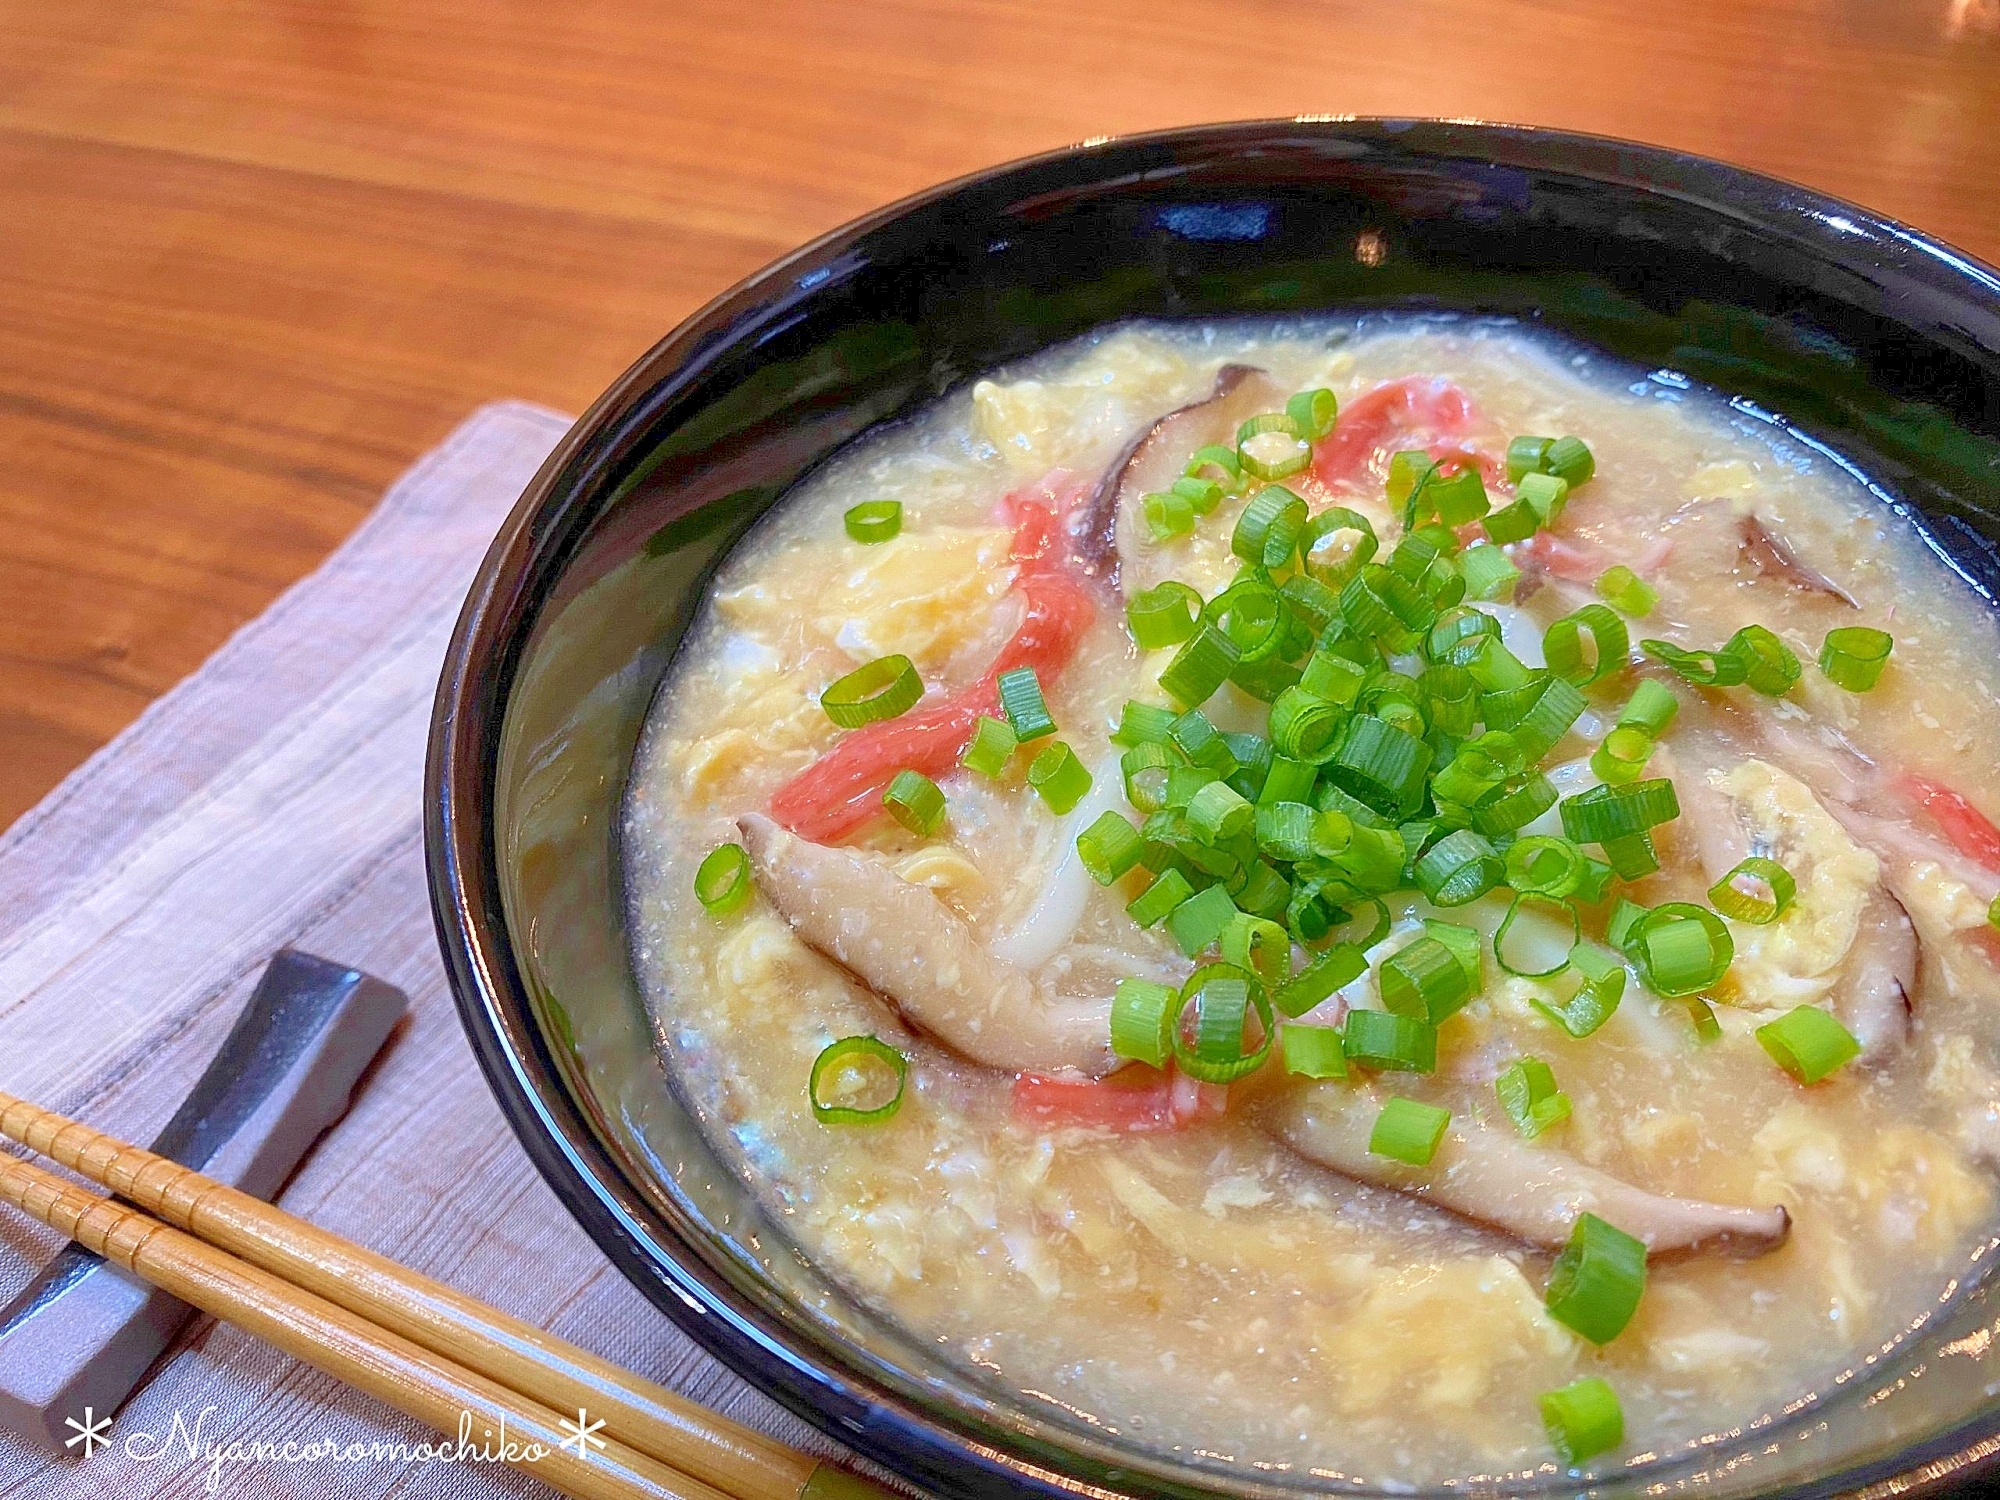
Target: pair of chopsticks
x: 415, y: 1344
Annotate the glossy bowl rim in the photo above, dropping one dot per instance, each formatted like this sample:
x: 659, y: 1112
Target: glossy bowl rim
x: 496, y: 1011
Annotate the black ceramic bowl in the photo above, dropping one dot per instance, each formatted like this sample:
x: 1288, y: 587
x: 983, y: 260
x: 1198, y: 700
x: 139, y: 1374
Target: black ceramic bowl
x: 1852, y: 330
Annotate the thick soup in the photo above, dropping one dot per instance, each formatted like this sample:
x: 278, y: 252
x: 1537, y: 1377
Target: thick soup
x: 1387, y: 898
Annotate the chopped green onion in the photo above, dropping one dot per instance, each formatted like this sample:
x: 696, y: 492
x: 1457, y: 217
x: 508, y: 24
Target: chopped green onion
x: 1702, y: 1016
x: 1596, y: 998
x: 1333, y: 970
x: 1609, y: 812
x: 1203, y: 494
x: 1109, y: 847
x: 1525, y: 455
x: 1681, y: 948
x: 1152, y: 905
x: 915, y: 801
x: 1378, y: 604
x: 1314, y: 411
x: 1264, y: 893
x: 874, y: 520
x: 1458, y: 635
x: 1409, y: 472
x: 1142, y: 1021
x: 1769, y: 666
x: 1325, y: 556
x: 1479, y: 769
x: 1194, y: 734
x: 1512, y: 523
x: 1333, y: 677
x: 1197, y: 923
x: 1495, y: 668
x: 1528, y: 1092
x: 1583, y: 1419
x: 1652, y: 708
x: 1458, y: 868
x: 1295, y: 455
x: 1313, y: 1051
x: 1250, y: 614
x: 722, y: 880
x: 1457, y: 498
x: 1408, y: 1132
x: 1487, y: 573
x: 1163, y: 616
x: 1218, y: 812
x: 1222, y: 997
x: 1425, y: 980
x: 1808, y: 1043
x: 1167, y: 514
x: 1627, y: 592
x: 1631, y: 855
x: 1268, y: 530
x: 1594, y: 881
x: 1543, y: 865
x: 1702, y: 668
x: 1624, y: 924
x: 1059, y: 777
x: 1302, y: 726
x: 1518, y: 968
x: 1380, y: 764
x: 1312, y: 603
x: 1141, y: 724
x: 1854, y: 656
x: 884, y: 688
x: 1201, y: 666
x: 1286, y: 830
x: 1392, y: 1043
x: 1545, y: 495
x: 1253, y: 756
x: 1569, y: 459
x: 1450, y: 698
x: 1554, y: 704
x: 1620, y: 757
x: 1516, y: 809
x: 1378, y: 928
x: 1770, y: 892
x: 1259, y: 945
x: 1562, y: 645
x: 1597, y: 1280
x: 992, y: 745
x: 1021, y: 701
x: 1463, y: 943
x: 1146, y: 770
x: 1288, y: 781
x: 855, y: 1067
x: 1217, y: 456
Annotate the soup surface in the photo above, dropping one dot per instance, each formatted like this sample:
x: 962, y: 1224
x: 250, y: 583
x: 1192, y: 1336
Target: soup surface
x: 1359, y: 1253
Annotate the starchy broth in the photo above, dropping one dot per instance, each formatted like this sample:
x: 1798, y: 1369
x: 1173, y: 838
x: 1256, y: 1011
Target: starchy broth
x: 1217, y: 1290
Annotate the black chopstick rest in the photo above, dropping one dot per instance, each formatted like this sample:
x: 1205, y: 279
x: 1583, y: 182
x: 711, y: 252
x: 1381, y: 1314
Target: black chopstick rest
x: 83, y: 1334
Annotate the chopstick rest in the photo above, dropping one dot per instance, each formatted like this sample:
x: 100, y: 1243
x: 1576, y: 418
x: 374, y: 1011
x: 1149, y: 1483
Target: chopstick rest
x: 83, y: 1334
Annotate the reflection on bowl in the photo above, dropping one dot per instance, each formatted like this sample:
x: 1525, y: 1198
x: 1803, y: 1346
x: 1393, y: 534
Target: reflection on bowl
x: 1861, y: 333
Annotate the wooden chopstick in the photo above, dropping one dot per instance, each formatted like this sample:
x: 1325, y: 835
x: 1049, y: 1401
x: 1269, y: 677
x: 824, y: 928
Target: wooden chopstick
x: 714, y: 1453
x: 414, y: 1380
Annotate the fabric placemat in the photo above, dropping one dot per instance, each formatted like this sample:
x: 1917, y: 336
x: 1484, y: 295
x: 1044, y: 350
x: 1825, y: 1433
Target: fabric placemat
x: 274, y: 798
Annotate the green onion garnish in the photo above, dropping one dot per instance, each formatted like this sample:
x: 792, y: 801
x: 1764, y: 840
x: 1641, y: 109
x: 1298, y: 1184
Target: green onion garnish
x: 1609, y: 812
x: 915, y: 801
x: 1314, y: 411
x: 1302, y: 726
x: 1223, y: 460
x: 1218, y: 812
x: 1854, y: 656
x: 722, y: 880
x: 1152, y: 905
x: 882, y: 689
x: 1457, y: 498
x: 1426, y: 980
x: 1458, y: 868
x: 1808, y: 1043
x: 1631, y: 855
x: 1197, y: 923
x: 851, y: 1068
x: 1059, y: 777
x: 1203, y: 494
x: 1222, y: 997
x: 1409, y: 473
x: 1163, y: 616
x: 1681, y: 948
x: 1312, y: 603
x: 1392, y: 1043
x: 1525, y: 455
x: 1288, y: 781
x: 1609, y: 643
x: 1201, y: 666
x: 1757, y: 891
x: 1459, y: 635
x: 1142, y: 724
x: 1545, y: 495
x: 1109, y: 847
x: 1769, y: 664
x: 1021, y: 701
x: 1570, y: 460
x: 1334, y: 969
x: 1267, y: 532
x: 991, y: 746
x: 1583, y: 1419
x: 1142, y: 1021
x: 1450, y: 699
x: 1322, y: 545
x: 1652, y: 708
x: 1620, y: 757
x: 1265, y: 433
x: 1702, y: 1016
x: 1515, y: 809
x: 1408, y: 1132
x: 1259, y: 945
x: 1544, y: 865
x: 1596, y: 998
x: 1286, y: 830
x: 1518, y: 968
x: 874, y: 520
x: 1487, y: 573
x: 1265, y: 893
x: 1167, y: 514
x: 1702, y: 668
x: 1146, y: 769
x: 1380, y: 764
x: 1334, y: 677
x: 1597, y: 1280
x: 1250, y: 613
x: 1528, y: 1092
x: 1313, y: 1051
x: 1512, y: 523
x: 1595, y: 881
x: 1627, y: 592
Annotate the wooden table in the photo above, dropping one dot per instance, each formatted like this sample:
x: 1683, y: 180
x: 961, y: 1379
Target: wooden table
x: 255, y: 255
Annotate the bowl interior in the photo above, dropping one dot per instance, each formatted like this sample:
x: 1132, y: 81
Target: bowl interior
x: 1848, y: 330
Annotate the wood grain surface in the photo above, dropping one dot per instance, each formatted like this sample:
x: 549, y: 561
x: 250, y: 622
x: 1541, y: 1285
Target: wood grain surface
x: 255, y: 256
